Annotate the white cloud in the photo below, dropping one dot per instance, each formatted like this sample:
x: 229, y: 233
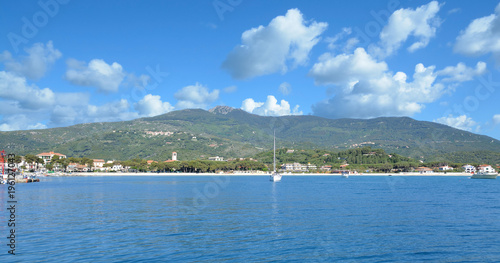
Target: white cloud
x: 365, y: 89
x: 346, y: 68
x: 270, y: 107
x: 35, y: 65
x: 195, y: 96
x: 20, y: 122
x: 496, y: 119
x: 420, y: 23
x: 285, y: 88
x: 481, y: 36
x: 15, y: 88
x: 461, y: 122
x: 151, y: 105
x: 112, y: 111
x: 266, y: 50
x: 107, y: 78
x: 332, y: 41
x: 462, y: 73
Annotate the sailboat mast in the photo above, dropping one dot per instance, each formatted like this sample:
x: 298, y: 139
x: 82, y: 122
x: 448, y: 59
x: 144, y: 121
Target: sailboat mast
x: 274, y: 151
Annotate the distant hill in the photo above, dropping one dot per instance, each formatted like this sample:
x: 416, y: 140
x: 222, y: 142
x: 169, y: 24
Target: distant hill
x: 229, y: 132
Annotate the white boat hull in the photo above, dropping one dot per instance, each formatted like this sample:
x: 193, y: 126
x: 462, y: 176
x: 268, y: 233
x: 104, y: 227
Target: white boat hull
x: 275, y: 178
x: 484, y: 176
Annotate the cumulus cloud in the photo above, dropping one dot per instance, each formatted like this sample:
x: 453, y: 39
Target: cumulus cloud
x: 195, y: 96
x: 270, y: 107
x: 365, y: 88
x: 267, y: 49
x: 33, y: 66
x: 15, y: 88
x: 461, y: 72
x: 420, y: 23
x: 151, y: 105
x: 496, y: 119
x: 461, y: 122
x: 481, y: 36
x: 285, y: 88
x: 99, y: 74
x: 344, y: 68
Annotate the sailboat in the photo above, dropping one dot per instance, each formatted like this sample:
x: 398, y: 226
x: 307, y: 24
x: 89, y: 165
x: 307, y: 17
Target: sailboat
x: 275, y: 176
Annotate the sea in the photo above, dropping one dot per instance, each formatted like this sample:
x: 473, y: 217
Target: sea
x: 250, y: 219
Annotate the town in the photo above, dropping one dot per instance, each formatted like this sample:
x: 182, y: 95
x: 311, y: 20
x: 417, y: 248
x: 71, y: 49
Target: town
x: 57, y: 163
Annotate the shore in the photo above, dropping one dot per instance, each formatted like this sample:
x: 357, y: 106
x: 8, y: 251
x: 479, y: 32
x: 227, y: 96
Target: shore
x: 261, y: 174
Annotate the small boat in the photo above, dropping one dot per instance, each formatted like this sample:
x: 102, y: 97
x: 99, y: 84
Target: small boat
x: 484, y: 175
x: 275, y: 176
x: 345, y: 174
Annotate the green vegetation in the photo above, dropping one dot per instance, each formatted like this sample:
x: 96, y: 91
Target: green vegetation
x: 227, y: 132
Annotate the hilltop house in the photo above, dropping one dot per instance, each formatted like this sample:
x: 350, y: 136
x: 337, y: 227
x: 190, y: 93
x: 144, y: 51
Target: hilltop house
x: 46, y: 157
x: 469, y: 169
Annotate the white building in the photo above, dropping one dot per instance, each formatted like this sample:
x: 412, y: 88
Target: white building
x: 216, y: 158
x: 469, y: 169
x: 47, y: 157
x: 117, y: 167
x: 486, y: 168
x: 174, y: 156
x: 445, y: 168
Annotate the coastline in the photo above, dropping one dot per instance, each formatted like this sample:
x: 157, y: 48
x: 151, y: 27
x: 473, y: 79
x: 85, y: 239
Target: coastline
x: 261, y: 174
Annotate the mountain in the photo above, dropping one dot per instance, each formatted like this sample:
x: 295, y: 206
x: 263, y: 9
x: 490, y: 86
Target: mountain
x: 229, y: 132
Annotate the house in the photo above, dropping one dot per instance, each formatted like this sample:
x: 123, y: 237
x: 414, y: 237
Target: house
x: 117, y: 167
x: 46, y: 157
x: 76, y: 167
x: 343, y: 166
x: 469, y: 169
x: 295, y: 167
x: 424, y: 170
x: 326, y: 168
x: 216, y: 158
x: 311, y: 167
x: 290, y: 151
x: 151, y: 161
x: 98, y: 163
x: 486, y: 168
x: 445, y: 168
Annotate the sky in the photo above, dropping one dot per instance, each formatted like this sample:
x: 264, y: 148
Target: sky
x: 65, y: 62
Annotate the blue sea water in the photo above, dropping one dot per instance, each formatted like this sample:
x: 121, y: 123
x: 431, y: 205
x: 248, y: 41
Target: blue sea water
x: 248, y: 219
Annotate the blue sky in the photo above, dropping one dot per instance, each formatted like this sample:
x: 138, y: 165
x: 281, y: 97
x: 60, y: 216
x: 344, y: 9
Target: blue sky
x: 65, y: 62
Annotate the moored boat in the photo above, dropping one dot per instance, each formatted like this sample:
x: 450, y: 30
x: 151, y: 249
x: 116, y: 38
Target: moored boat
x: 275, y: 176
x: 484, y: 175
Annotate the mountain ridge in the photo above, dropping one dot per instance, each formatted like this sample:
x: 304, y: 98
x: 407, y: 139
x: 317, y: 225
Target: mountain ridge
x: 230, y: 132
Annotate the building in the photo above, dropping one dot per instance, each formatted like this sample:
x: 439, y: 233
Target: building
x: 469, y: 169
x: 424, y: 170
x: 326, y: 168
x: 216, y: 158
x: 117, y: 167
x: 174, y: 156
x: 445, y: 168
x: 47, y: 157
x: 98, y: 163
x: 311, y: 167
x: 486, y: 168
